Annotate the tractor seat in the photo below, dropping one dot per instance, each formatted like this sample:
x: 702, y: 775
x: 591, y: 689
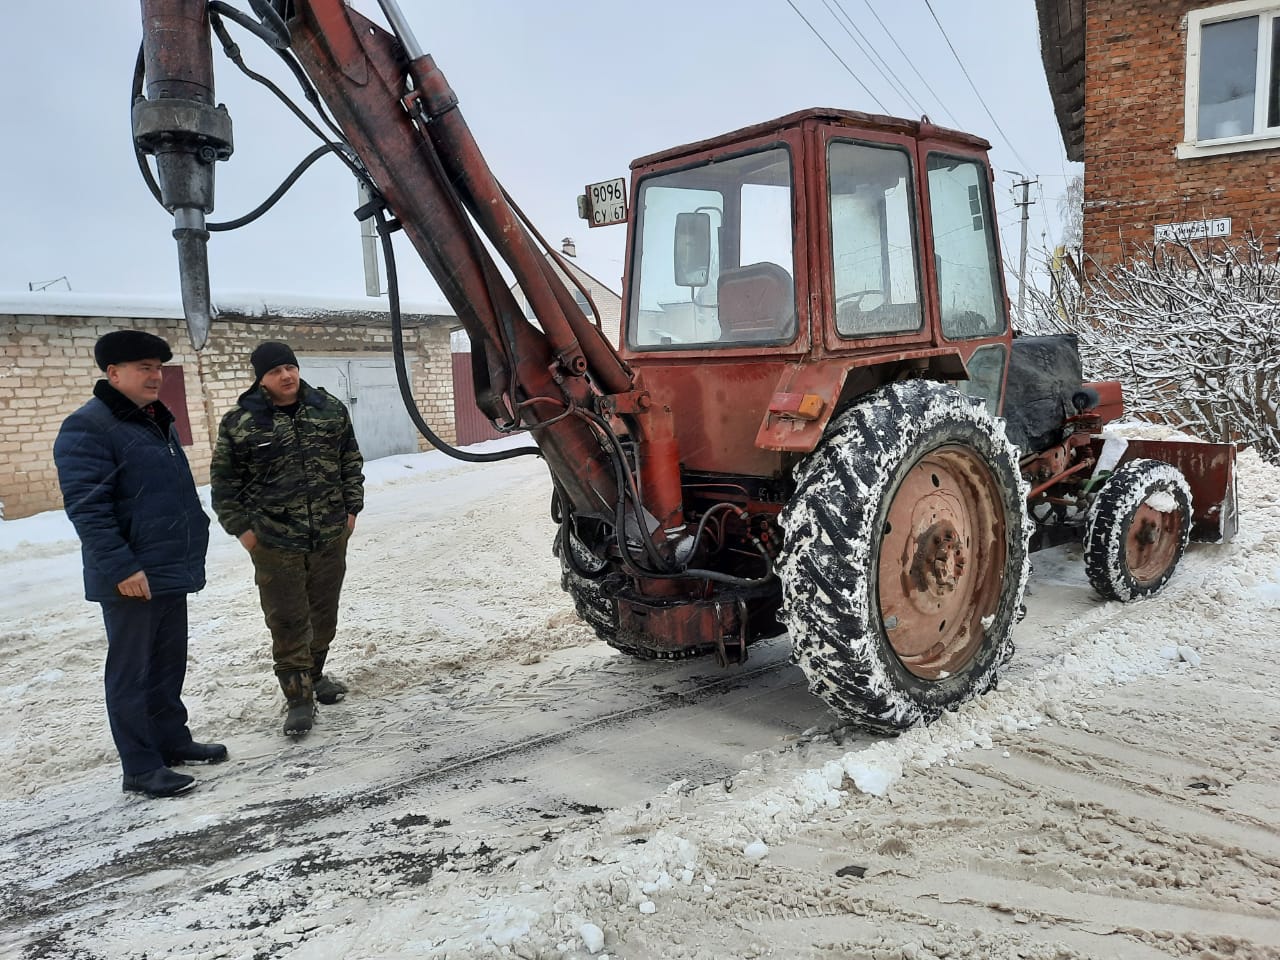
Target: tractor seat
x: 757, y: 302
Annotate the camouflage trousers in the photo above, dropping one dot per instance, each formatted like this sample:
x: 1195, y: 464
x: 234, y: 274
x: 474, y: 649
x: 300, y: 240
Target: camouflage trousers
x: 299, y: 594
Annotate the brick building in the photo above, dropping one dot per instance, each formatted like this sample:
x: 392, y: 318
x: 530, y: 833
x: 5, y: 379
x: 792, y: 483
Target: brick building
x: 1174, y: 108
x: 47, y: 370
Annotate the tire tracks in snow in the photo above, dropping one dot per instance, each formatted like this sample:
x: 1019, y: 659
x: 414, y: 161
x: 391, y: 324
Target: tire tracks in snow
x: 62, y: 871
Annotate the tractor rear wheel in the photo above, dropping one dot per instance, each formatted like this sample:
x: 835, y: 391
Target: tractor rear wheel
x: 905, y: 556
x: 1137, y: 530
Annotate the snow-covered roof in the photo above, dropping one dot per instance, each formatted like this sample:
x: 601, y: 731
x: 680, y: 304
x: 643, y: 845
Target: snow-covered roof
x: 233, y: 303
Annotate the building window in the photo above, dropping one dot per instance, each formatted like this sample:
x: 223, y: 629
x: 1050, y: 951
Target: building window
x: 1233, y: 78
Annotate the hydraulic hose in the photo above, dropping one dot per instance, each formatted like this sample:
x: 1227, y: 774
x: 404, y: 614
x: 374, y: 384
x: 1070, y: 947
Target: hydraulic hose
x: 402, y: 370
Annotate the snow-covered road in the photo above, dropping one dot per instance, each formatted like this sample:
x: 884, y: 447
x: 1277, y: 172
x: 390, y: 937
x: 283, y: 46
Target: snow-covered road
x: 500, y: 784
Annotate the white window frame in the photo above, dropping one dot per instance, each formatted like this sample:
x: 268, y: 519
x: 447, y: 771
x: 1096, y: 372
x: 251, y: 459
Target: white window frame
x: 1194, y: 22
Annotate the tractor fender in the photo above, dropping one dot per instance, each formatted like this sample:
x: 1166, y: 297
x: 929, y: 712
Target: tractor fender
x: 808, y: 394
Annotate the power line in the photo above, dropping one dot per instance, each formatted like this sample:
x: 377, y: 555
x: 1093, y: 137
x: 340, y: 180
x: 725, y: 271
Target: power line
x: 42, y: 285
x: 974, y: 87
x: 848, y: 70
x: 911, y: 63
x: 869, y: 51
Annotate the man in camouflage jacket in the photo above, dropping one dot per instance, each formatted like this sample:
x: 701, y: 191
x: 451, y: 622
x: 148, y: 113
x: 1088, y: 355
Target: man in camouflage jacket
x: 286, y: 480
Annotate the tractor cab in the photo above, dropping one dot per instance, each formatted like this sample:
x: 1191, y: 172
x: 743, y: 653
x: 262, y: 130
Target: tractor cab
x: 799, y: 262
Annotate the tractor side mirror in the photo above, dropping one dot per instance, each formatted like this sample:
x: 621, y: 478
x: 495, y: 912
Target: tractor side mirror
x: 693, y: 249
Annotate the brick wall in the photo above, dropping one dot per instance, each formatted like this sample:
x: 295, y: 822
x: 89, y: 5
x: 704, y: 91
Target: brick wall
x: 47, y: 371
x: 1135, y: 97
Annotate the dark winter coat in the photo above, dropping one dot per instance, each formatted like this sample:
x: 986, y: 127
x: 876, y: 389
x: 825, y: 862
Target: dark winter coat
x: 292, y: 480
x: 128, y: 489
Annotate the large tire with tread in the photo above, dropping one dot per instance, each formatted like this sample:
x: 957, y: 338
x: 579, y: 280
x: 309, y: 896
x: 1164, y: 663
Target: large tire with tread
x: 587, y: 581
x: 905, y: 556
x: 1138, y: 529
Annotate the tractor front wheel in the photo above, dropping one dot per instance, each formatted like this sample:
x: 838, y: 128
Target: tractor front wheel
x: 905, y: 556
x: 1137, y: 530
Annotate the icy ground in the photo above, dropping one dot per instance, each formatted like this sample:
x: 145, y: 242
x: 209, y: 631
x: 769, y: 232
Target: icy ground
x: 500, y: 784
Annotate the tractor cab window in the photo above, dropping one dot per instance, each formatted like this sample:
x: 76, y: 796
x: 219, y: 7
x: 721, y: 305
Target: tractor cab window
x: 964, y: 249
x: 873, y: 240
x: 714, y: 262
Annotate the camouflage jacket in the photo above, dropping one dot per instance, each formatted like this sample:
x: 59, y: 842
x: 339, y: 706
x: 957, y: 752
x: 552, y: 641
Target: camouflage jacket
x: 292, y: 480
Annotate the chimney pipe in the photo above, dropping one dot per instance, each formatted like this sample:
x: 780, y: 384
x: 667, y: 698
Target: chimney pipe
x: 567, y: 247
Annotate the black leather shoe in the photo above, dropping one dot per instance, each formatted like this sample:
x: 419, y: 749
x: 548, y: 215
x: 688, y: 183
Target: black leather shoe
x: 195, y: 752
x: 160, y: 782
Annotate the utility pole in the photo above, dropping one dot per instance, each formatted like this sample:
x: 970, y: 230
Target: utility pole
x: 1025, y: 204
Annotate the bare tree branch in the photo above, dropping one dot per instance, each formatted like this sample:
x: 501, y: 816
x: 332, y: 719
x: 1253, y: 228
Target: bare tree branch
x: 1191, y: 329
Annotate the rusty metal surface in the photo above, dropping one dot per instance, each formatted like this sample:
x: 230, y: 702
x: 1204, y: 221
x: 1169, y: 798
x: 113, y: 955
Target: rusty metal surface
x: 941, y: 562
x: 718, y: 409
x: 356, y: 68
x: 1110, y: 399
x: 854, y: 120
x: 1210, y: 472
x: 179, y: 57
x: 683, y: 627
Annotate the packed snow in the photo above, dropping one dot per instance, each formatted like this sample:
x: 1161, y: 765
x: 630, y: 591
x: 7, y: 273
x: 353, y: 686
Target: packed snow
x: 500, y: 784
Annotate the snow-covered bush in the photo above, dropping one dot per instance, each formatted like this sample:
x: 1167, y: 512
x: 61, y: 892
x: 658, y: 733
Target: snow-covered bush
x: 1191, y: 329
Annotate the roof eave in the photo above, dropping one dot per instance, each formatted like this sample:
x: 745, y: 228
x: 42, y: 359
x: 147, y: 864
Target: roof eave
x: 1062, y: 25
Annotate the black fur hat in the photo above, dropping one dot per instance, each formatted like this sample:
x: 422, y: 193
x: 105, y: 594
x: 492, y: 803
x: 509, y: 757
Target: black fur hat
x: 123, y: 346
x: 270, y: 355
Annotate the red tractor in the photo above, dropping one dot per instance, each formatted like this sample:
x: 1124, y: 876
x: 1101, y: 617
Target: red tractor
x: 819, y: 419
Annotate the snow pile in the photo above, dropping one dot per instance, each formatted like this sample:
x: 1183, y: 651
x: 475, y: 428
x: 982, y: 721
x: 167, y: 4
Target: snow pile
x: 43, y: 528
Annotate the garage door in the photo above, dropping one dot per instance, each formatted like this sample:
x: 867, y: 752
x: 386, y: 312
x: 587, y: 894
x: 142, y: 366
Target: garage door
x: 367, y: 385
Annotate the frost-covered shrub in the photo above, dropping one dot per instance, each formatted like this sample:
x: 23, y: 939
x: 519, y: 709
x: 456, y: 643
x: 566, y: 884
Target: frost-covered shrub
x: 1192, y: 330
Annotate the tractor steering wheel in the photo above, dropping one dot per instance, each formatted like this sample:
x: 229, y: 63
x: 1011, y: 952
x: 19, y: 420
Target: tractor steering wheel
x: 857, y: 296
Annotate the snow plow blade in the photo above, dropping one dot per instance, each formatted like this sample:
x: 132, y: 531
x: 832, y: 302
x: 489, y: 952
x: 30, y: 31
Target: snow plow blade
x: 1210, y: 469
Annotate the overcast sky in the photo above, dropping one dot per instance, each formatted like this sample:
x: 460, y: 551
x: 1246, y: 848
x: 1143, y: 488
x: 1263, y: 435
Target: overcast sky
x: 558, y: 94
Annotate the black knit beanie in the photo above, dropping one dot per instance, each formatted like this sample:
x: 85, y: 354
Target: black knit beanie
x: 124, y: 346
x: 270, y: 355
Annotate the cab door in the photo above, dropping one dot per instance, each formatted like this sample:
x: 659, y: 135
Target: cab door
x: 963, y: 249
x: 870, y: 242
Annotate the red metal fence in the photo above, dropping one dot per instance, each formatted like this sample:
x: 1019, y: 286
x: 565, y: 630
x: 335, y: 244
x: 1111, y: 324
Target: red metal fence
x: 470, y: 424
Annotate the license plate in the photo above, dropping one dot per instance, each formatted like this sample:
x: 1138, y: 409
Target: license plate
x: 607, y: 202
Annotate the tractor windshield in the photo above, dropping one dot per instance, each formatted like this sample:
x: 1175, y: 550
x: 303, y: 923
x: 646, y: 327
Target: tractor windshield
x: 714, y: 260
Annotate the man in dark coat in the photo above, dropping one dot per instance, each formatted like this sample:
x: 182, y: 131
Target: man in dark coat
x: 129, y: 492
x: 286, y: 480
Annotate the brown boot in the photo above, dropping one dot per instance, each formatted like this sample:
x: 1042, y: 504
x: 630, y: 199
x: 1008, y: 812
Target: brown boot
x: 302, y: 706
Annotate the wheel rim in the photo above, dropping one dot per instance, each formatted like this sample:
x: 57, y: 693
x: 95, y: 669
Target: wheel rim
x: 942, y: 559
x: 1151, y: 545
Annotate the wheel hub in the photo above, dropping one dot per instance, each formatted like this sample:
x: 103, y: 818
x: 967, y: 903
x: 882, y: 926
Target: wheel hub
x: 940, y: 559
x: 941, y: 562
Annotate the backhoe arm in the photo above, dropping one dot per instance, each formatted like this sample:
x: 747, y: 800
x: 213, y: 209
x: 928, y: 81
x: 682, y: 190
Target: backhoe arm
x: 401, y: 120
